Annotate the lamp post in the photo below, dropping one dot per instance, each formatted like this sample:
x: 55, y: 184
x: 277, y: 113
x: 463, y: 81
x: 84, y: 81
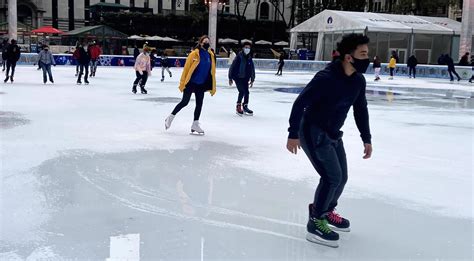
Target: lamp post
x: 12, y: 20
x: 212, y: 31
x: 467, y: 27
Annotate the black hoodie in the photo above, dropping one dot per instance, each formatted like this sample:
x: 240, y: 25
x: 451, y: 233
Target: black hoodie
x: 326, y: 100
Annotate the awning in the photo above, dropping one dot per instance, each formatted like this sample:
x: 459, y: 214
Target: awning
x: 94, y: 31
x: 228, y: 41
x: 47, y: 30
x: 281, y: 43
x: 263, y: 42
x: 339, y: 21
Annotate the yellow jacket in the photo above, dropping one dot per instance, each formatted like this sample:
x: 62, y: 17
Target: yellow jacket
x: 191, y: 64
x: 393, y: 63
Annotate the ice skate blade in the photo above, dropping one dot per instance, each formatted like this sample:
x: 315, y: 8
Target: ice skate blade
x: 248, y: 114
x: 193, y: 132
x: 239, y: 114
x: 315, y: 239
x: 334, y: 228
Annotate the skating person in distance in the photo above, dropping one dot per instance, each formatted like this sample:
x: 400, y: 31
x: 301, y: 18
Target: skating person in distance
x: 392, y: 65
x: 84, y: 61
x: 13, y: 55
x: 242, y: 72
x: 451, y: 69
x: 198, y: 77
x: 142, y: 70
x: 411, y: 64
x: 95, y: 53
x: 281, y: 63
x: 4, y: 48
x: 165, y: 65
x: 46, y: 59
x: 316, y: 118
x: 377, y: 67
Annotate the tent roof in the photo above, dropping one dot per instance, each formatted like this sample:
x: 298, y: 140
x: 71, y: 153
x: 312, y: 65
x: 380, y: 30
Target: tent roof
x: 47, y: 30
x: 96, y: 30
x: 331, y: 21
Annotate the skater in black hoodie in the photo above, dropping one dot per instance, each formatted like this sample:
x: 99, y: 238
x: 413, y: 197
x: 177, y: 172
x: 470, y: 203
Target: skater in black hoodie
x: 84, y: 61
x: 317, y: 116
x: 13, y: 55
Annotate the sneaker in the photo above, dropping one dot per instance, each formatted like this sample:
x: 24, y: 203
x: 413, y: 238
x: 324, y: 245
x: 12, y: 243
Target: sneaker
x: 247, y: 111
x: 239, y: 110
x: 319, y: 231
x: 168, y: 121
x: 337, y: 222
x: 196, y: 128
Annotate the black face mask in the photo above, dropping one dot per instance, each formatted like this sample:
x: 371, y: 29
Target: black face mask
x: 206, y: 46
x: 360, y: 64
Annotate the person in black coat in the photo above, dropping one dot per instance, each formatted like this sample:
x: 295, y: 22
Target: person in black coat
x: 84, y: 61
x: 136, y: 52
x: 281, y: 63
x: 412, y: 63
x: 464, y: 60
x: 13, y: 55
x: 4, y: 48
x: 472, y: 64
x: 449, y: 61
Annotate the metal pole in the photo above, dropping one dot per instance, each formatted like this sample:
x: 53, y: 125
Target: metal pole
x: 12, y: 20
x: 212, y: 33
x: 467, y: 27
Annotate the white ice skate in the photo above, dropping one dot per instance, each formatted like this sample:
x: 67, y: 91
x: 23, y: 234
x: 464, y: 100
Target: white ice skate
x: 168, y: 121
x: 196, y: 129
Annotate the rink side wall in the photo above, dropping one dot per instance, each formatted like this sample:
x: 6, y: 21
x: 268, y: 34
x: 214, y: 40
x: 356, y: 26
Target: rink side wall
x: 432, y: 71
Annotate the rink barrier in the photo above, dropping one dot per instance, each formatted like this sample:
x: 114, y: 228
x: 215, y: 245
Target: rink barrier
x: 431, y: 71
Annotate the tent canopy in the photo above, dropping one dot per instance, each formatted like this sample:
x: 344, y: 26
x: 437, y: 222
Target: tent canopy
x: 263, y: 42
x: 228, y: 41
x: 338, y: 21
x: 47, y: 30
x: 97, y: 30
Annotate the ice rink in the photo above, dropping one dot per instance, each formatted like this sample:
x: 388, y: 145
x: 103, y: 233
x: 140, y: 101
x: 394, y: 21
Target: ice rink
x: 89, y: 173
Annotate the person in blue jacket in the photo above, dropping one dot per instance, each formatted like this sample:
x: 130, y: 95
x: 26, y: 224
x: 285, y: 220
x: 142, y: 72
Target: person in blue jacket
x: 242, y: 72
x: 316, y: 118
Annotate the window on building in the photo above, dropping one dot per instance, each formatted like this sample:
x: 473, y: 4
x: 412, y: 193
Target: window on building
x: 264, y: 11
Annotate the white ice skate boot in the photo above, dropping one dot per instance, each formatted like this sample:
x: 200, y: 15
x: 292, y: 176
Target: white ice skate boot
x: 196, y: 129
x: 168, y: 121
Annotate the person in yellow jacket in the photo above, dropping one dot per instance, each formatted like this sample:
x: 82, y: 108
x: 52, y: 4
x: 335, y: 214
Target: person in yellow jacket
x: 392, y: 65
x: 199, y: 76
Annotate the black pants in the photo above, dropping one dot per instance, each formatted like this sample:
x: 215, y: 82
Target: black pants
x: 243, y: 87
x: 412, y: 70
x: 280, y: 69
x: 451, y: 72
x: 47, y: 70
x: 329, y: 159
x: 84, y: 67
x: 199, y: 91
x: 391, y: 71
x: 11, y: 65
x: 141, y: 79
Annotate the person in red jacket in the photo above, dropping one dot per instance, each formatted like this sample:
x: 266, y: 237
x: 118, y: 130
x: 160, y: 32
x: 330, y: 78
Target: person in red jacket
x: 95, y: 52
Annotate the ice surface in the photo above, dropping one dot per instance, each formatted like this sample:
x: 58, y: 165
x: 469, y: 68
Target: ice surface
x: 85, y: 166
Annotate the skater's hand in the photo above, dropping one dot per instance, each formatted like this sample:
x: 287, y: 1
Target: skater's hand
x: 250, y: 84
x: 367, y: 151
x: 293, y: 145
x: 230, y: 82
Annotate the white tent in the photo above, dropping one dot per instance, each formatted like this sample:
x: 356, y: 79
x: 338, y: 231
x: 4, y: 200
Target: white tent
x: 281, y: 43
x: 263, y: 42
x: 338, y: 21
x: 245, y: 40
x: 154, y: 38
x: 136, y: 37
x: 169, y: 39
x: 228, y: 41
